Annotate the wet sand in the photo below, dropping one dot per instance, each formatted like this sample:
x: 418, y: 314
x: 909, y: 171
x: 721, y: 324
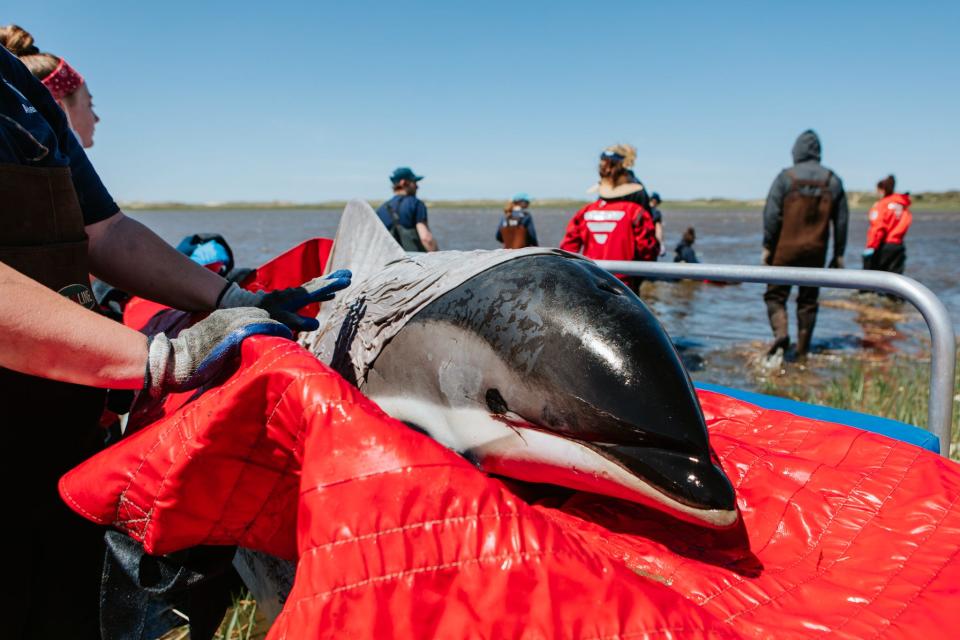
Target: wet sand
x: 720, y: 330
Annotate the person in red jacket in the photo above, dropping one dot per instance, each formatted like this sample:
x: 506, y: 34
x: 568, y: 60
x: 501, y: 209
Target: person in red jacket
x: 618, y: 226
x: 890, y: 219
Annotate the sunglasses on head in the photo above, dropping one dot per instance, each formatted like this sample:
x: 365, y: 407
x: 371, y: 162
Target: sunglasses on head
x: 613, y: 157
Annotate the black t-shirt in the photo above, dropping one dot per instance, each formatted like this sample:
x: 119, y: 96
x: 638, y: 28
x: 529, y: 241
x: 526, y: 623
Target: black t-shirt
x: 34, y: 132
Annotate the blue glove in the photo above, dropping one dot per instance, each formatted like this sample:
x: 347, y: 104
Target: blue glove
x: 283, y: 304
x: 867, y: 253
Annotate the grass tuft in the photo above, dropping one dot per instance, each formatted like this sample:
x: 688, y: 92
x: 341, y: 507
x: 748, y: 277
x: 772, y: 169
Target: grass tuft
x: 240, y: 623
x: 895, y: 389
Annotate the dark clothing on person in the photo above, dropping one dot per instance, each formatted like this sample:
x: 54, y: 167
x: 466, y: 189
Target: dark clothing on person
x: 804, y: 202
x: 49, y: 191
x: 409, y: 209
x: 641, y: 197
x: 776, y: 298
x: 403, y: 227
x: 523, y: 218
x: 685, y: 253
x: 34, y: 132
x: 889, y: 256
x: 656, y: 215
x: 806, y: 168
x: 53, y: 426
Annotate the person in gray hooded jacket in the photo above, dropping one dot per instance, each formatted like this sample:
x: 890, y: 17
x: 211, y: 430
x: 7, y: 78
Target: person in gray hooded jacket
x: 805, y: 200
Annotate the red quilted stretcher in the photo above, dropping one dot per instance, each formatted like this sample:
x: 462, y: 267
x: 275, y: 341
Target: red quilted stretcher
x: 843, y: 532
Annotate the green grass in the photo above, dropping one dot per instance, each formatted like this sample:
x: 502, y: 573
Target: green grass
x: 240, y: 623
x: 896, y: 389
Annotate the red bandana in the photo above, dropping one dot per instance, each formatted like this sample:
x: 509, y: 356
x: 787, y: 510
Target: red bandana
x: 63, y: 81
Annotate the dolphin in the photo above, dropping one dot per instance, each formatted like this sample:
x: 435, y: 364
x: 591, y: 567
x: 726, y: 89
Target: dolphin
x: 535, y: 365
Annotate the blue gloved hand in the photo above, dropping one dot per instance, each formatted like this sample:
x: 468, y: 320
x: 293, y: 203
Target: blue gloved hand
x: 283, y: 304
x: 867, y: 253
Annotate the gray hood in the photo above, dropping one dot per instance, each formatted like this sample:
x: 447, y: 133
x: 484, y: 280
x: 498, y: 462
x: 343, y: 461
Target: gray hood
x: 807, y: 147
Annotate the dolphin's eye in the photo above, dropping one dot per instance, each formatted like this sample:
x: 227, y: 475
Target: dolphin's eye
x: 609, y: 287
x: 495, y: 402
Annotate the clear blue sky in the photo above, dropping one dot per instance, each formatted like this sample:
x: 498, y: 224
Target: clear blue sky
x: 310, y: 101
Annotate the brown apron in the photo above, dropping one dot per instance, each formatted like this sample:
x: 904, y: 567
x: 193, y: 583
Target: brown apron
x: 48, y: 426
x: 806, y: 223
x: 514, y: 234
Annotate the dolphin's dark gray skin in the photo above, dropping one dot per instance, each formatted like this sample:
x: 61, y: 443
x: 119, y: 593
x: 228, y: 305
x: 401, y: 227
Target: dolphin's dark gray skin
x: 533, y: 363
x: 547, y: 368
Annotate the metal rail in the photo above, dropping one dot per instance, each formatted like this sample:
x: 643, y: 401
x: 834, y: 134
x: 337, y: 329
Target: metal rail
x: 943, y: 349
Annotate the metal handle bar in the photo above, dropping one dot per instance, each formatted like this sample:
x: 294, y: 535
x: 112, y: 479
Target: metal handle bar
x: 943, y: 351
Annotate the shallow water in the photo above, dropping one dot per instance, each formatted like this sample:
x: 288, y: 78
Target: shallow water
x: 718, y: 329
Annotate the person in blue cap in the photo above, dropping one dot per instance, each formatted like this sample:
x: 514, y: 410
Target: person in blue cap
x: 405, y: 215
x: 516, y: 228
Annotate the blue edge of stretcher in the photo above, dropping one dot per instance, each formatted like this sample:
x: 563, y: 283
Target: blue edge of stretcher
x: 884, y: 426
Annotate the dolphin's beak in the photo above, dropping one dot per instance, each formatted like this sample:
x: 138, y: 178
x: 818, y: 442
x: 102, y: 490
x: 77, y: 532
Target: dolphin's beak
x: 690, y: 487
x: 681, y: 484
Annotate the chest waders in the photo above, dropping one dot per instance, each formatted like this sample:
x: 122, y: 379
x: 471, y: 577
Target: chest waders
x: 514, y: 234
x: 53, y: 568
x: 802, y: 243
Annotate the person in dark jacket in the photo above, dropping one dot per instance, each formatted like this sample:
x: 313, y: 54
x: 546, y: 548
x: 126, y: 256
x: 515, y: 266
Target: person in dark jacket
x: 657, y: 220
x: 59, y: 225
x: 516, y: 228
x: 684, y: 250
x: 405, y: 215
x: 805, y: 200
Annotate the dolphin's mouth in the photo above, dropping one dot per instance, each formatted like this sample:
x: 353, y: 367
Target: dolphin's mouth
x: 506, y: 444
x: 685, y: 486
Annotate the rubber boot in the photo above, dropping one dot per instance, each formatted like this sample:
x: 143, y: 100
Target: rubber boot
x: 778, y: 323
x: 805, y: 323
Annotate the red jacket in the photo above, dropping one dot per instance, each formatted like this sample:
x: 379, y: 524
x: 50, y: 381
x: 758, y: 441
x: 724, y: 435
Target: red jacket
x: 397, y: 537
x: 612, y: 230
x: 890, y: 219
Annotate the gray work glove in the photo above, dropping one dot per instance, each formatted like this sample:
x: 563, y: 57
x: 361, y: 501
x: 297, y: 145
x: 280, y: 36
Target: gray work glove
x: 836, y: 263
x: 765, y: 256
x: 283, y: 304
x: 200, y: 352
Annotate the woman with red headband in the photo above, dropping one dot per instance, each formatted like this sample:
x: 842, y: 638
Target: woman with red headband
x: 59, y: 224
x: 66, y: 85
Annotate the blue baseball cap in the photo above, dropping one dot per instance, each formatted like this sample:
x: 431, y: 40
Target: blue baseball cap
x: 522, y: 197
x: 656, y: 196
x: 404, y: 173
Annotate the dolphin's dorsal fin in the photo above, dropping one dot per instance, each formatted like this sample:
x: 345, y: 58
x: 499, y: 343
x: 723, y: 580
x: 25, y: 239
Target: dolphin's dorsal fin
x: 363, y: 243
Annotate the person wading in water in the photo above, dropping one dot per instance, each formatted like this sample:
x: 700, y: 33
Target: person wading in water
x: 804, y: 202
x: 618, y: 226
x: 405, y: 215
x: 516, y: 229
x: 890, y: 219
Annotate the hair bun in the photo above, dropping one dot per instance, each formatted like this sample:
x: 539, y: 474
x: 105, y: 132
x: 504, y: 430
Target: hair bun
x: 18, y: 40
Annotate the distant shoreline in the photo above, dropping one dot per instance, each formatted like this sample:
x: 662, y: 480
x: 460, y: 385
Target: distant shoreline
x: 946, y: 200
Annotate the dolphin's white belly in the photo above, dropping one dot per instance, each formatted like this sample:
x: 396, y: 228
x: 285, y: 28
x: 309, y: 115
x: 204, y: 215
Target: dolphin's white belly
x: 502, y: 445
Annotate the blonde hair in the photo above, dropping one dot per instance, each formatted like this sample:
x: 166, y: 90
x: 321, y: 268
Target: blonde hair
x: 628, y: 151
